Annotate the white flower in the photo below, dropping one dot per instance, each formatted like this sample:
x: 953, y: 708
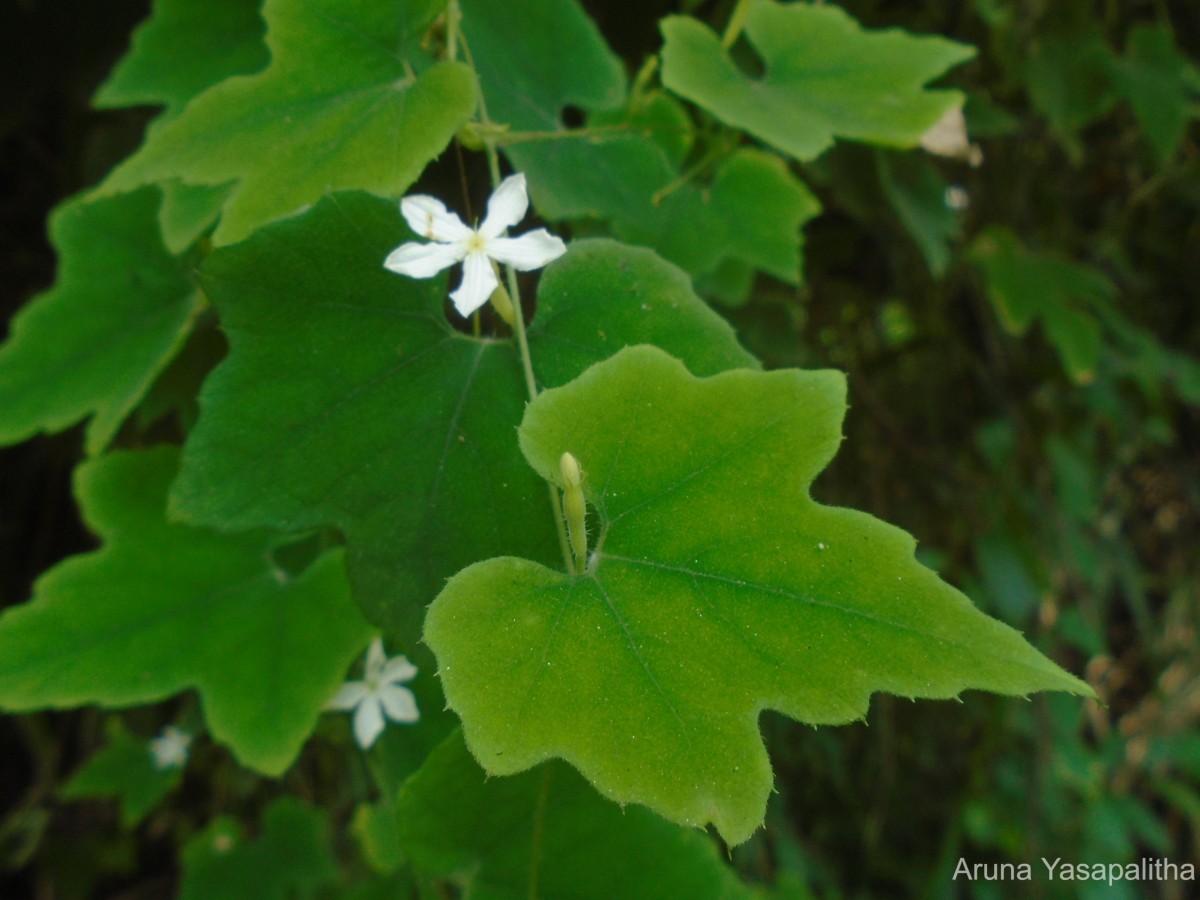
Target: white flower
x: 170, y: 748
x: 377, y: 695
x: 454, y: 242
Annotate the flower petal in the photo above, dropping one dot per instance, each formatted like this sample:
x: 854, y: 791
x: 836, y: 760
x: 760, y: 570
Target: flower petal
x: 376, y: 660
x: 399, y: 703
x: 506, y: 206
x: 529, y: 251
x: 368, y: 722
x: 422, y: 260
x: 428, y: 217
x: 397, y: 669
x: 477, y: 284
x: 349, y: 695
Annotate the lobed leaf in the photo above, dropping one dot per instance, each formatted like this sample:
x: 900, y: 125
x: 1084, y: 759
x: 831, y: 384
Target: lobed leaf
x: 548, y: 834
x: 825, y: 78
x: 348, y: 399
x: 625, y: 167
x: 123, y: 768
x: 163, y: 608
x: 93, y: 344
x: 341, y: 105
x: 1063, y: 296
x: 171, y: 57
x: 716, y: 588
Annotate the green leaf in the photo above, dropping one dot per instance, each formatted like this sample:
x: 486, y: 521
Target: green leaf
x: 716, y: 588
x: 172, y: 57
x: 1069, y: 81
x: 162, y: 608
x: 374, y: 826
x: 340, y: 106
x: 1025, y: 287
x: 918, y: 195
x: 93, y: 344
x: 348, y: 399
x: 1161, y: 85
x: 188, y: 211
x: 290, y: 859
x: 123, y: 768
x: 624, y: 168
x: 825, y: 78
x: 548, y: 834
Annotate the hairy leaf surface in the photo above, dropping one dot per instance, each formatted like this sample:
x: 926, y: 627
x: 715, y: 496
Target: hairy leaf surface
x: 716, y: 588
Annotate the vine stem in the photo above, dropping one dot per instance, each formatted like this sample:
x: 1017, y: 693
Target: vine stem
x: 514, y: 293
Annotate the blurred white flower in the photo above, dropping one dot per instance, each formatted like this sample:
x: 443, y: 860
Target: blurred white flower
x: 957, y: 198
x: 475, y: 248
x: 379, y: 694
x: 170, y: 748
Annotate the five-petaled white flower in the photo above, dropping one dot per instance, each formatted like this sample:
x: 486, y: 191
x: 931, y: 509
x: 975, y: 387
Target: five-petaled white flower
x: 377, y: 695
x: 454, y: 242
x: 170, y: 748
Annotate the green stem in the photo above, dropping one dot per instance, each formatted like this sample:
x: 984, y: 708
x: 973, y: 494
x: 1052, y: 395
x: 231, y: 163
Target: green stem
x: 737, y: 21
x: 514, y: 293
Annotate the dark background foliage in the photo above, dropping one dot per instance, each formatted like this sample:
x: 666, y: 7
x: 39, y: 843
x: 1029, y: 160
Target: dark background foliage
x: 1067, y: 508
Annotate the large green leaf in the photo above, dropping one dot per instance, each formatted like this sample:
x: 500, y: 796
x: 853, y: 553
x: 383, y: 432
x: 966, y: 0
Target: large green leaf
x: 716, y: 588
x: 340, y: 106
x: 162, y: 608
x: 171, y: 58
x: 93, y: 344
x: 349, y: 400
x: 626, y: 167
x: 825, y: 78
x: 547, y: 834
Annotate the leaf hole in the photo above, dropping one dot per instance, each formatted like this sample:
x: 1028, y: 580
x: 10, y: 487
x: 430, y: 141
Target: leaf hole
x: 572, y: 117
x: 747, y: 60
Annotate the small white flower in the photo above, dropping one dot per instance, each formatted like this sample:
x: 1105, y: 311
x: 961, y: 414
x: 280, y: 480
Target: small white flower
x: 170, y: 748
x: 454, y: 242
x: 377, y: 695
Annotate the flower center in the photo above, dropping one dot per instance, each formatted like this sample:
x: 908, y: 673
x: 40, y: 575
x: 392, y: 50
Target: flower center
x: 476, y: 243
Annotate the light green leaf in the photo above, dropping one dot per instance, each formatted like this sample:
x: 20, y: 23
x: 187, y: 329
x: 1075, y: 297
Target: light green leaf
x: 716, y: 588
x: 93, y: 344
x: 290, y: 859
x: 123, y: 768
x: 348, y: 400
x: 172, y: 57
x: 625, y: 167
x: 825, y: 78
x: 162, y: 608
x: 1064, y: 296
x: 340, y: 106
x: 548, y: 834
x: 1161, y: 85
